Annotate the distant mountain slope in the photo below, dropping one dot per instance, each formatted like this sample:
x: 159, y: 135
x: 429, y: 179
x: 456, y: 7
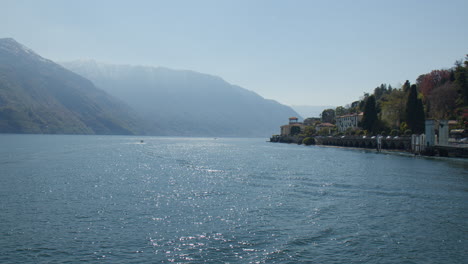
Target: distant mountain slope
x: 187, y: 103
x: 311, y: 110
x: 40, y: 96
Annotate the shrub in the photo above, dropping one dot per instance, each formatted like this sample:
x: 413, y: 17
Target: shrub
x: 408, y: 132
x: 324, y: 131
x: 394, y: 133
x: 348, y: 131
x: 403, y: 127
x: 295, y: 130
x: 308, y: 141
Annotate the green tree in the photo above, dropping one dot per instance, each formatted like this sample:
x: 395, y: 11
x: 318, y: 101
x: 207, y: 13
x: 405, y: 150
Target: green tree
x: 380, y: 91
x: 414, y: 114
x: 420, y: 118
x: 328, y: 116
x: 406, y: 87
x: 295, y: 130
x: 309, y: 131
x: 324, y: 131
x: 369, y: 120
x: 339, y: 111
x: 461, y: 80
x: 403, y: 127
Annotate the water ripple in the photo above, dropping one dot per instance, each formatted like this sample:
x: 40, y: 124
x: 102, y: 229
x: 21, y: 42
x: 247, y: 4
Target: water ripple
x: 114, y: 200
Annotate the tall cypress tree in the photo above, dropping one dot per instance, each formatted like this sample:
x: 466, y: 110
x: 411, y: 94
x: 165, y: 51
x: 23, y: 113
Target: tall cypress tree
x: 420, y: 118
x: 414, y: 114
x: 406, y: 86
x: 461, y: 79
x: 369, y: 120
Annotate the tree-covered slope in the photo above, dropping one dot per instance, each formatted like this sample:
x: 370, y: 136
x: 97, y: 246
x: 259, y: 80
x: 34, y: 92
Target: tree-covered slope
x: 40, y: 96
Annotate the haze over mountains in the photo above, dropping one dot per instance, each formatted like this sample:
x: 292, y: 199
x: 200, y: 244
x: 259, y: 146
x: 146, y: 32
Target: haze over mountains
x: 187, y: 103
x: 311, y: 110
x: 40, y: 96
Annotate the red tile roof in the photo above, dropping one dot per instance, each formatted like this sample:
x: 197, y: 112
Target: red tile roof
x: 326, y: 125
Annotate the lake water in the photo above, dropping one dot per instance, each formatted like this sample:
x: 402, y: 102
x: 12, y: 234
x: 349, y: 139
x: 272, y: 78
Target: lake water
x: 112, y: 199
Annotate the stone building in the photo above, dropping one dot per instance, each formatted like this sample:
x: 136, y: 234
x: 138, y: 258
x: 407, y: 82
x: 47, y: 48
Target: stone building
x: 294, y: 127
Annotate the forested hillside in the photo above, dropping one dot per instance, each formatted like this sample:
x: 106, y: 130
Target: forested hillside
x: 40, y: 96
x: 439, y: 94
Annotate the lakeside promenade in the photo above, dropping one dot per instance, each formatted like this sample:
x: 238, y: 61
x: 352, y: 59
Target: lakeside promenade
x: 404, y: 143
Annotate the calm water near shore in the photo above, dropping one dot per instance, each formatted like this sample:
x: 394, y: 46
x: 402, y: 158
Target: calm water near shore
x: 113, y: 199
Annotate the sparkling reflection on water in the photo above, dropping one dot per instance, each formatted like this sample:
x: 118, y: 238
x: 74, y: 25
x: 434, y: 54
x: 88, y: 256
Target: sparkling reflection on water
x: 117, y: 200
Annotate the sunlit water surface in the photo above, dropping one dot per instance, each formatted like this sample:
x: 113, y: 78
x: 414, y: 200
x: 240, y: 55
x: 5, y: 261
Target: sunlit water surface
x: 112, y: 199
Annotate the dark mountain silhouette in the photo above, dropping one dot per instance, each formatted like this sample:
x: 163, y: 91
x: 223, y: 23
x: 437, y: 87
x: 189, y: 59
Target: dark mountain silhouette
x: 187, y: 103
x: 40, y: 96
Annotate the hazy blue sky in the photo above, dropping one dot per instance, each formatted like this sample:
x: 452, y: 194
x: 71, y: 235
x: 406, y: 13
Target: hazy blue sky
x: 296, y: 52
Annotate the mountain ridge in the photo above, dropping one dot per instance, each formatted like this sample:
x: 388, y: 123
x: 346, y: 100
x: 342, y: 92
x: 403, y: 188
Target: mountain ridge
x: 40, y: 96
x: 187, y: 102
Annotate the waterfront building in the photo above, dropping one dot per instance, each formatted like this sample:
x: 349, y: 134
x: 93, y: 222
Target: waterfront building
x: 348, y: 121
x: 437, y: 132
x: 328, y: 126
x: 294, y: 127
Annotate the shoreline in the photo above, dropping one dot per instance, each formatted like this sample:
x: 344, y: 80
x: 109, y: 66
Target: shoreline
x: 397, y: 152
x: 400, y: 146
